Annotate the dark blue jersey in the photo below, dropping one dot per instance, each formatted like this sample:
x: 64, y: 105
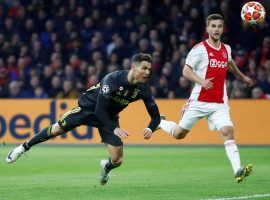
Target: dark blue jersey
x: 114, y: 93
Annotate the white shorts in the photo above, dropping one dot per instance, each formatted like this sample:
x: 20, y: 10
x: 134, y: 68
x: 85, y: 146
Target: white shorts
x: 217, y: 114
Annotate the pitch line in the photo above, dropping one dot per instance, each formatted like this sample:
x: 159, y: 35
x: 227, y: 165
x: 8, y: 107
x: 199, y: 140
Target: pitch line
x: 242, y: 197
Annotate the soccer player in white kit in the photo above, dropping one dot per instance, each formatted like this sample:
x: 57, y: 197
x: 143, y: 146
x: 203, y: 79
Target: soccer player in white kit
x: 206, y: 65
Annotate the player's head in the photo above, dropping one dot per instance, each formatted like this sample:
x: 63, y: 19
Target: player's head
x: 141, y: 67
x: 214, y: 26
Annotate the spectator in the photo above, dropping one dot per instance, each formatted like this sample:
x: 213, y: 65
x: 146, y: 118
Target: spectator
x: 257, y: 93
x: 14, y: 91
x: 104, y: 34
x: 56, y: 87
x: 40, y: 93
x: 69, y: 92
x: 184, y: 88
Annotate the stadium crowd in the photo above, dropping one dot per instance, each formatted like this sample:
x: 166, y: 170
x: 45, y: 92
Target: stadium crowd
x: 59, y: 48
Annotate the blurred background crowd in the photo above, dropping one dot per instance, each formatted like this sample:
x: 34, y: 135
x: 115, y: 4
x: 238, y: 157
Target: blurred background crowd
x: 59, y: 48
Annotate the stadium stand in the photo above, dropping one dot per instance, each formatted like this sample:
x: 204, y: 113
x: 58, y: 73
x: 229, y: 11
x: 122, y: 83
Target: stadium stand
x: 58, y: 48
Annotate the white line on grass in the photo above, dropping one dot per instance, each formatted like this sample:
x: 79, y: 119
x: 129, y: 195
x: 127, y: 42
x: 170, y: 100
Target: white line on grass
x: 242, y: 197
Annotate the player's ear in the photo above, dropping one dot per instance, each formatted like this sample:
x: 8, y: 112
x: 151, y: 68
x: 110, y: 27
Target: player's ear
x: 133, y: 67
x: 206, y: 29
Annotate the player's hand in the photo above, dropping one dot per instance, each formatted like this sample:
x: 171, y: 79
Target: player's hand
x: 207, y: 84
x: 147, y: 133
x: 248, y: 81
x: 120, y: 133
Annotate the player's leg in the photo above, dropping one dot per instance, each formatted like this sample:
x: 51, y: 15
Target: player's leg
x: 221, y: 120
x: 189, y: 117
x: 114, y: 161
x: 115, y: 149
x: 227, y: 134
x: 67, y: 122
x: 42, y: 136
x: 173, y: 129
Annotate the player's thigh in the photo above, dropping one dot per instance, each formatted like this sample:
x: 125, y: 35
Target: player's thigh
x: 220, y: 118
x: 73, y: 118
x: 108, y: 137
x: 190, y: 117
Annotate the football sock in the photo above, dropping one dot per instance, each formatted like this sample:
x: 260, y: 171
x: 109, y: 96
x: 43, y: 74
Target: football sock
x: 109, y: 166
x: 168, y: 126
x: 232, y: 154
x: 42, y: 136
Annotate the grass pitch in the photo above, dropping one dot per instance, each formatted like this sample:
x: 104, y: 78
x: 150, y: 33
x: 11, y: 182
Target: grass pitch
x: 148, y: 172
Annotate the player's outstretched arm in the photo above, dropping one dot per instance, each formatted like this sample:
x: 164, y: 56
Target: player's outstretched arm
x: 235, y: 70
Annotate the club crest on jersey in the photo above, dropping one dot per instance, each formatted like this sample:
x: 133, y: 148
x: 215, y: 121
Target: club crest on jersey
x: 224, y: 54
x: 217, y: 63
x: 105, y: 89
x: 135, y: 93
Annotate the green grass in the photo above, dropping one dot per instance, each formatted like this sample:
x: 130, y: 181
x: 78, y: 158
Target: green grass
x: 148, y: 172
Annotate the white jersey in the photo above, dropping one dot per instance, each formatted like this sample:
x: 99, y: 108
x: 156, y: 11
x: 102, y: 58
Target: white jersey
x: 210, y: 62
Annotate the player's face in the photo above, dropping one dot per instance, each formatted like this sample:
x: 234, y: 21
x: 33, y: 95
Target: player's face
x: 215, y: 29
x: 142, y: 71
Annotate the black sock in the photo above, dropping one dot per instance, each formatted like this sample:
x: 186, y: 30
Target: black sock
x: 109, y: 166
x: 42, y: 136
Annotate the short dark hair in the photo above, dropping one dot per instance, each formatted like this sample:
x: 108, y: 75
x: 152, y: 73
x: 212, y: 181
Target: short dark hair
x: 213, y: 17
x: 138, y: 58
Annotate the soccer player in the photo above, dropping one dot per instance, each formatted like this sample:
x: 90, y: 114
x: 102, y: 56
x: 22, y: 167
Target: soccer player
x: 99, y: 107
x: 206, y: 65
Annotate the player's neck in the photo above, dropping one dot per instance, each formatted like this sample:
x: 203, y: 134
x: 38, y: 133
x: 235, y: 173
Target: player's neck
x: 214, y: 43
x: 131, y: 79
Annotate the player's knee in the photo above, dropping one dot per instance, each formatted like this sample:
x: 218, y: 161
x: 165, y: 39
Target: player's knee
x: 117, y: 161
x: 56, y: 129
x: 227, y: 132
x: 179, y: 136
x: 180, y: 133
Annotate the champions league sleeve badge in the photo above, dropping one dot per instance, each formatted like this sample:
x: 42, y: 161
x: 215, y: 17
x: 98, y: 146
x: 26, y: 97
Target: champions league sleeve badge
x: 105, y: 89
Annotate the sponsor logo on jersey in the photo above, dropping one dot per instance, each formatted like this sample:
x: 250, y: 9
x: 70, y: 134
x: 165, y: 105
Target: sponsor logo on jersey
x: 105, y: 89
x: 217, y: 63
x: 121, y: 101
x: 211, y: 54
x: 135, y: 93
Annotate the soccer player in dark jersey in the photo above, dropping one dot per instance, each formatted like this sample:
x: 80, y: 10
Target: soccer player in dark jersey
x: 99, y: 107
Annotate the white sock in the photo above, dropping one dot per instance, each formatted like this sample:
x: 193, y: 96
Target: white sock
x: 232, y: 154
x: 168, y: 126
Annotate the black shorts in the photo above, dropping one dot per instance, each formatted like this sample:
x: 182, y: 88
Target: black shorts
x: 79, y: 116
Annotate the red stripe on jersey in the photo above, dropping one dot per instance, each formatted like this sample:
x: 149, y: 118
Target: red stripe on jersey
x: 217, y: 69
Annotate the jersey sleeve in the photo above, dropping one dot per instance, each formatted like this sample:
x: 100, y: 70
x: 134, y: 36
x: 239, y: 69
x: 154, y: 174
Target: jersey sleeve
x: 193, y: 56
x: 152, y: 109
x: 229, y: 50
x: 147, y: 96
